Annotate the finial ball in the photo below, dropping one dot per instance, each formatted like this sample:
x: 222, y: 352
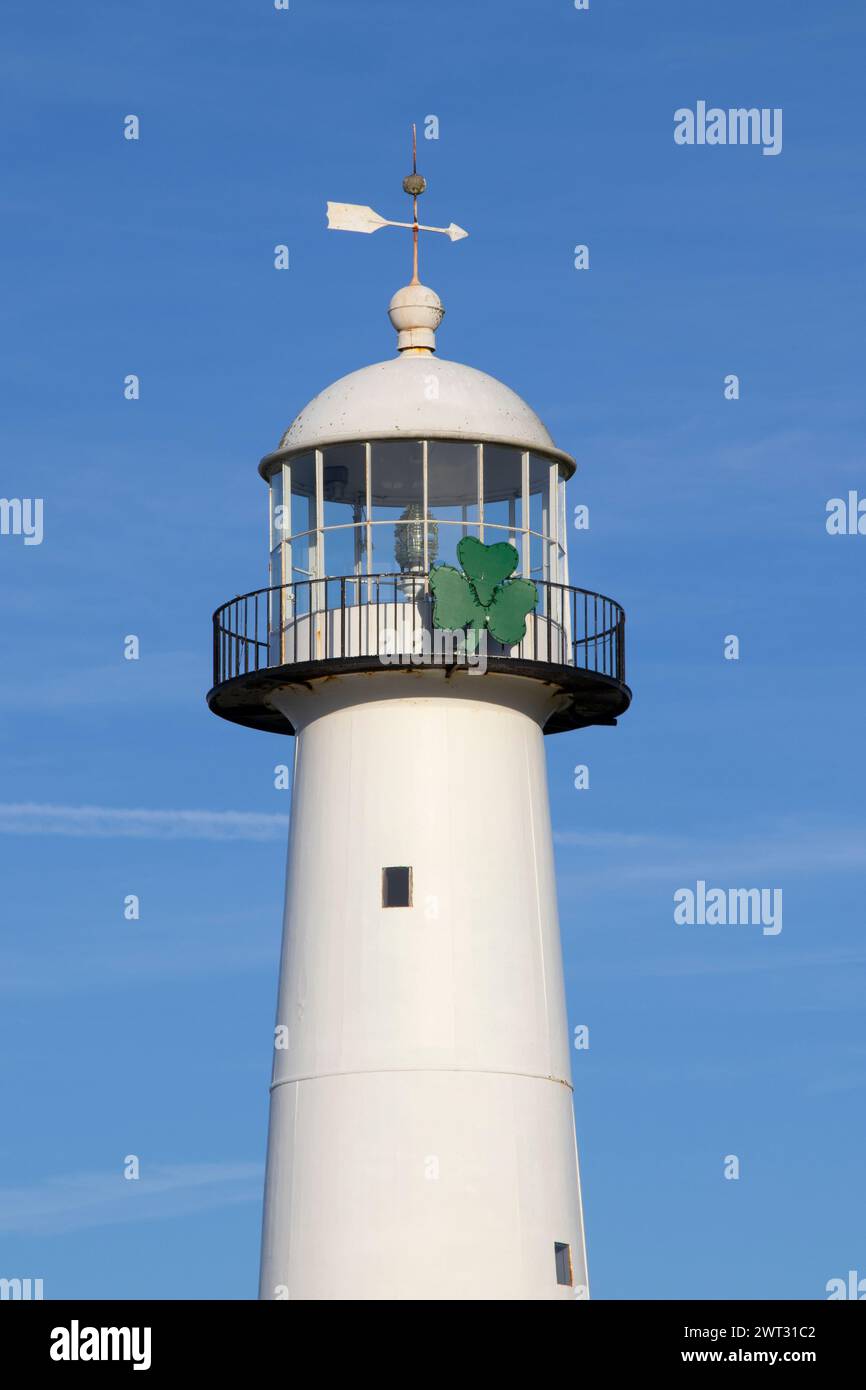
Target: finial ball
x: 414, y: 184
x: 416, y: 312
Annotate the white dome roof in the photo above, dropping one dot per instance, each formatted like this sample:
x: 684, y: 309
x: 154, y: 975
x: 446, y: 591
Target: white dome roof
x: 417, y: 397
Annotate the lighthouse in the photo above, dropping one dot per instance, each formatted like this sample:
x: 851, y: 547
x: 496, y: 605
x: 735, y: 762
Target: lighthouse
x: 419, y: 639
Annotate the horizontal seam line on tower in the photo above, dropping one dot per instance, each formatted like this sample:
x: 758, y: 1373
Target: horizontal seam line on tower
x: 383, y: 1071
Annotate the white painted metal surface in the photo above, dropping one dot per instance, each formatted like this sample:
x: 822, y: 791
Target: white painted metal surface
x: 421, y: 398
x: 422, y: 1140
x: 416, y: 312
x: 388, y: 629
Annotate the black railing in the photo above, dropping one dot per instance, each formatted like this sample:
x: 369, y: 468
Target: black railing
x: 384, y: 616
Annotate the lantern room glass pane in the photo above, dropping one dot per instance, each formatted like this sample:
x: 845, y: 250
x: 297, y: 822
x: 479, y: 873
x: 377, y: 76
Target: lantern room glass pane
x: 344, y: 507
x: 344, y: 483
x: 541, y: 475
x: 304, y: 556
x: 562, y: 531
x: 275, y: 566
x: 303, y: 473
x: 452, y: 474
x: 305, y: 538
x: 503, y: 491
x: 397, y: 506
x: 540, y: 470
x: 279, y: 558
x: 452, y: 496
x: 280, y: 512
x: 395, y: 476
x: 344, y: 550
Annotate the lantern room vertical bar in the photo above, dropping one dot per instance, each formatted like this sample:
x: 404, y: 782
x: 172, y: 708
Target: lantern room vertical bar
x: 524, y: 514
x: 424, y: 522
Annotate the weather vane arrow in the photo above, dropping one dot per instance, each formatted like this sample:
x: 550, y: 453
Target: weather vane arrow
x: 352, y: 217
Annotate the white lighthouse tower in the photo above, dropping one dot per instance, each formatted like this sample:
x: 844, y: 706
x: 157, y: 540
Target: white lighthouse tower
x: 419, y: 638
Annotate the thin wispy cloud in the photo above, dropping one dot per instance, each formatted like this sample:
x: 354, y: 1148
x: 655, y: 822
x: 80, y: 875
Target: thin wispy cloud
x: 98, y: 822
x: 790, y: 848
x: 843, y: 958
x: 612, y: 839
x: 166, y: 678
x: 79, y: 1200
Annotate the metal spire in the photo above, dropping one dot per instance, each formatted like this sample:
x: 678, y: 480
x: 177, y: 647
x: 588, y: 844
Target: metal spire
x: 414, y: 185
x: 352, y: 217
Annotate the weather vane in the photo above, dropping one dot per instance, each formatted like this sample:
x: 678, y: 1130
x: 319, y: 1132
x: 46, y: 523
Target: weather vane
x: 351, y: 217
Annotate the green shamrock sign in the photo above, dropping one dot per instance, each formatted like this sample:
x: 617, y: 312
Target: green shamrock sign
x: 484, y: 596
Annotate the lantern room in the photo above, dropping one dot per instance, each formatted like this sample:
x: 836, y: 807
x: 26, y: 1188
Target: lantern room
x: 403, y: 504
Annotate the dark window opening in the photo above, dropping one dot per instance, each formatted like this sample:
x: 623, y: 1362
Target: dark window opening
x: 562, y: 1254
x: 397, y: 887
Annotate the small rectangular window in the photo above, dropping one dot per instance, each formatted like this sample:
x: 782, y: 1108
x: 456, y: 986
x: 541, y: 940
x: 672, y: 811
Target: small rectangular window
x: 397, y: 887
x: 562, y: 1254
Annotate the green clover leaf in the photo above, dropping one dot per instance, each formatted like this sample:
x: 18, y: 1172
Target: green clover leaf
x: 507, y: 614
x: 456, y: 605
x: 485, y: 596
x: 486, y: 565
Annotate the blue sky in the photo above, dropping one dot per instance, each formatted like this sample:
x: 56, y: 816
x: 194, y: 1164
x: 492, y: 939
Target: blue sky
x: 707, y: 518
